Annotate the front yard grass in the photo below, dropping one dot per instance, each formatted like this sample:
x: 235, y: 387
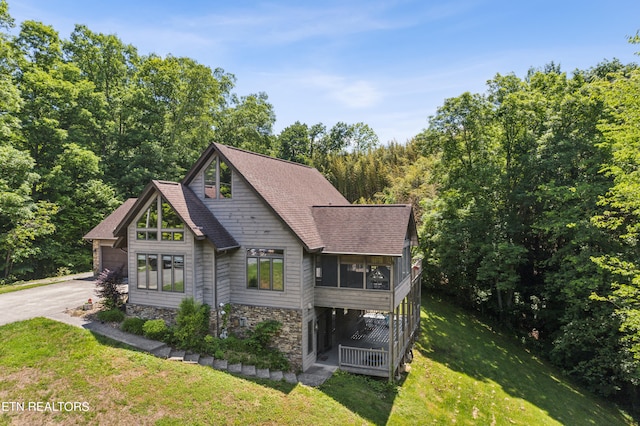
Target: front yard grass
x: 463, y: 372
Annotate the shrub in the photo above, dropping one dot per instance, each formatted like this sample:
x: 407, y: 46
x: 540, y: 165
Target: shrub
x: 112, y: 315
x: 107, y: 287
x: 263, y: 334
x: 192, y: 324
x: 133, y: 325
x: 155, y: 329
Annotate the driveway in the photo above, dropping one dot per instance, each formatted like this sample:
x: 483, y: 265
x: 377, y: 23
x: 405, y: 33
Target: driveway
x: 48, y: 301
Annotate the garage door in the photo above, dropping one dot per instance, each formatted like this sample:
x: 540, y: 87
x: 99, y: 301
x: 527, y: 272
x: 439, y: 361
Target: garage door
x: 114, y: 258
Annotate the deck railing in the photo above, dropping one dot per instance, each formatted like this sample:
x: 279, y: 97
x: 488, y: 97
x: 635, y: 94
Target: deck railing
x: 373, y: 362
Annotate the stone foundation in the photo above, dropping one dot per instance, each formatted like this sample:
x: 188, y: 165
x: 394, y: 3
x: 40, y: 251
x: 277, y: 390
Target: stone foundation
x: 152, y: 312
x: 288, y: 341
x: 242, y: 319
x: 167, y: 314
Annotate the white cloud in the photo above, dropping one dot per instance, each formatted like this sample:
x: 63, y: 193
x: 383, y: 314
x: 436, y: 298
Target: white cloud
x: 347, y: 91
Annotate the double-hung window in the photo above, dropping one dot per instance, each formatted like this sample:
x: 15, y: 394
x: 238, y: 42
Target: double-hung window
x: 265, y: 269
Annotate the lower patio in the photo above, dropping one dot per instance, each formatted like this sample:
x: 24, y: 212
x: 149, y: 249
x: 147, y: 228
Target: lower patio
x: 362, y: 346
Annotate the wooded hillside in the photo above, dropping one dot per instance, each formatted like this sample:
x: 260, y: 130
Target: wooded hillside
x: 528, y: 195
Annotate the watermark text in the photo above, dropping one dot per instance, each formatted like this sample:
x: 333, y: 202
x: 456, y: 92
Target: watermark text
x: 42, y: 406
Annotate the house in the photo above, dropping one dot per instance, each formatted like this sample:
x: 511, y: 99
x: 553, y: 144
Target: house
x: 275, y: 240
x: 105, y: 255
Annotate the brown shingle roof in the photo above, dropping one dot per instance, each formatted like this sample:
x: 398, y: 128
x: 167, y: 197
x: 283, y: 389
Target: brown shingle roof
x: 289, y: 189
x: 364, y: 229
x: 104, y: 230
x: 192, y: 211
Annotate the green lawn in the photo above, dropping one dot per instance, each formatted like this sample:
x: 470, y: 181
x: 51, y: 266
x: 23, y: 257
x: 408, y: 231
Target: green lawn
x: 462, y: 373
x: 9, y: 288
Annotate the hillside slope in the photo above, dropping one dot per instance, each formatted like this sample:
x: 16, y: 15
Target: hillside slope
x: 462, y: 373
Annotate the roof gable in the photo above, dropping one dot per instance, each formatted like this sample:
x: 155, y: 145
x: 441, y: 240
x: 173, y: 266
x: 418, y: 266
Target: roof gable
x: 289, y: 189
x: 365, y: 229
x: 191, y: 210
x: 105, y: 229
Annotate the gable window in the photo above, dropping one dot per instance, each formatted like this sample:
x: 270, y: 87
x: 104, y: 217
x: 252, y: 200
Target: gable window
x: 265, y: 269
x: 160, y: 219
x: 217, y: 180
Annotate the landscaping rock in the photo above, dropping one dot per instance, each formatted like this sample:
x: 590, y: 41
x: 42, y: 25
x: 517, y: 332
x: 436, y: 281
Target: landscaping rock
x: 290, y: 378
x: 220, y: 364
x: 206, y: 361
x: 191, y: 358
x: 234, y: 368
x: 276, y: 375
x: 263, y: 373
x: 248, y: 370
x: 162, y: 352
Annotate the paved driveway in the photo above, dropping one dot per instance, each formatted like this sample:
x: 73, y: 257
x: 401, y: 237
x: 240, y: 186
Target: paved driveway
x: 47, y: 301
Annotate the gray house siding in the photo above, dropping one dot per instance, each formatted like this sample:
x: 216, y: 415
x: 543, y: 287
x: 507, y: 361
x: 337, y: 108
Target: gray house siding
x: 205, y: 271
x: 223, y: 279
x: 254, y: 225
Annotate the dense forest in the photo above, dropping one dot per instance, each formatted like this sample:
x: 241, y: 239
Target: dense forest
x: 527, y: 195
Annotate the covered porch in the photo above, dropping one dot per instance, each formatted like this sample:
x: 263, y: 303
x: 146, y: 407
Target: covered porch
x: 370, y: 342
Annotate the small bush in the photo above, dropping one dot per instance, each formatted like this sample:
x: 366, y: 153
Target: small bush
x: 112, y: 315
x: 155, y: 329
x: 263, y: 334
x: 133, y: 325
x: 107, y: 287
x: 192, y: 324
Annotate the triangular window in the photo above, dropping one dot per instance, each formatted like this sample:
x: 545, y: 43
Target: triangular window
x: 160, y: 219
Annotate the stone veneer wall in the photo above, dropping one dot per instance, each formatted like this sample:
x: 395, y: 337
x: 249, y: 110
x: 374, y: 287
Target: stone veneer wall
x: 242, y: 319
x: 152, y: 312
x: 96, y: 257
x: 289, y: 340
x: 167, y: 314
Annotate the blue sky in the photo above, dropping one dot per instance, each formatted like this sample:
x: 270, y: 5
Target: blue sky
x: 389, y: 64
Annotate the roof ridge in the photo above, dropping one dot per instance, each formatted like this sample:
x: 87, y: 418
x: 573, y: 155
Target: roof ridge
x: 166, y: 182
x: 265, y: 156
x: 361, y: 205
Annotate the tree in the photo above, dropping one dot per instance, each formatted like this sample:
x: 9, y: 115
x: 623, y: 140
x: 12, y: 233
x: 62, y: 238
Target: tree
x: 294, y: 143
x: 10, y: 101
x: 363, y: 138
x: 22, y: 221
x: 620, y: 212
x: 75, y: 185
x: 246, y: 122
